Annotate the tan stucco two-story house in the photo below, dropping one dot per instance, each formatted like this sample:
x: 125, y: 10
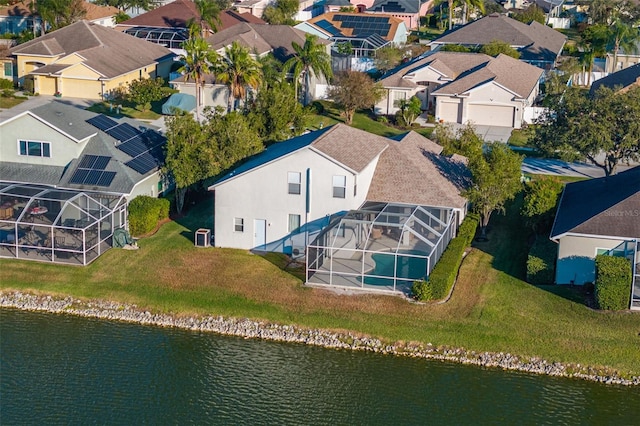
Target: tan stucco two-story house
x: 85, y: 60
x: 464, y: 87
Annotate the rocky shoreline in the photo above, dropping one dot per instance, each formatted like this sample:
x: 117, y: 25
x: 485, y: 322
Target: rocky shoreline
x: 286, y: 333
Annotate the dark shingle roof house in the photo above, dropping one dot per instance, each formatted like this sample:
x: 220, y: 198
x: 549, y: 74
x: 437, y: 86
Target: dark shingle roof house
x: 261, y: 39
x: 132, y: 152
x: 619, y: 80
x: 608, y: 206
x: 537, y: 43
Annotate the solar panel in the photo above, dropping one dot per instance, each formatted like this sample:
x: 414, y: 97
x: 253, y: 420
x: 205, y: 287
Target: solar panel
x: 106, y: 178
x: 123, y: 132
x: 102, y: 122
x: 143, y: 163
x: 92, y: 177
x: 79, y: 176
x: 101, y: 162
x: 98, y: 162
x: 326, y: 25
x: 134, y: 146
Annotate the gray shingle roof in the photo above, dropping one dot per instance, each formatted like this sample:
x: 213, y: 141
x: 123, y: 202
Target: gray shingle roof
x: 607, y: 206
x: 395, y: 6
x: 536, y: 42
x: 621, y: 79
x: 412, y: 171
x: 517, y: 76
x: 261, y: 38
x: 107, y: 51
x: 72, y: 120
x: 352, y: 147
x: 450, y: 64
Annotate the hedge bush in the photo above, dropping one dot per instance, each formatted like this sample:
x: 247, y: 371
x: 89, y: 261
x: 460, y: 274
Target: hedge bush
x: 444, y: 273
x: 145, y: 212
x: 540, y: 263
x: 613, y: 282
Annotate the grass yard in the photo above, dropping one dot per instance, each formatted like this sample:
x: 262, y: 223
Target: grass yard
x: 128, y: 110
x: 7, y: 102
x: 361, y: 120
x: 492, y: 308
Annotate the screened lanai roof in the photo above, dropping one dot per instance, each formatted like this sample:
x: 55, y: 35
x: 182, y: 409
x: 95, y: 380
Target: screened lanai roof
x: 380, y: 247
x: 29, y: 203
x: 362, y: 45
x: 168, y: 37
x: 395, y: 222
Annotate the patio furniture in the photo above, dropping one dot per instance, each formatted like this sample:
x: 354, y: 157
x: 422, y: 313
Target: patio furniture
x: 59, y: 242
x: 6, y: 212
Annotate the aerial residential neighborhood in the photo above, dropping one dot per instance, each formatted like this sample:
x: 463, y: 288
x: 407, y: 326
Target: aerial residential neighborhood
x: 340, y: 164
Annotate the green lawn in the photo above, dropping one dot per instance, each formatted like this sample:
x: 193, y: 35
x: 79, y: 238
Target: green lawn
x: 492, y: 308
x: 128, y: 110
x: 361, y: 120
x: 11, y: 101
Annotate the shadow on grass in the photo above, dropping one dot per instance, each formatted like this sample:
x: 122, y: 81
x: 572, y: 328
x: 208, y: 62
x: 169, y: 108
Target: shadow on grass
x: 508, y: 244
x: 285, y: 263
x: 507, y: 240
x: 197, y: 213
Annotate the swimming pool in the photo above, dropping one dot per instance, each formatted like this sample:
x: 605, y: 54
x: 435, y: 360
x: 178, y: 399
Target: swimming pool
x: 408, y: 267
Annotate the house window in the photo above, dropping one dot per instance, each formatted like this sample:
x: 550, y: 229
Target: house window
x: 8, y: 69
x: 339, y: 186
x: 295, y: 180
x: 35, y: 149
x: 399, y: 96
x: 294, y: 222
x: 238, y: 224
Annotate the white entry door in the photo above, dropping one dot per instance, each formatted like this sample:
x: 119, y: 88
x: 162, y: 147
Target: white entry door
x: 259, y: 232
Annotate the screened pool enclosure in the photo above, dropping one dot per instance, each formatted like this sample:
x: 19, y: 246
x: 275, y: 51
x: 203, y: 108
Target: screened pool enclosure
x: 380, y: 247
x: 56, y: 225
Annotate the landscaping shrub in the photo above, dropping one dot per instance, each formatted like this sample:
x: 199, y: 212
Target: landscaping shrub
x: 540, y: 263
x: 444, y: 273
x: 421, y: 290
x: 613, y: 282
x: 145, y: 212
x: 6, y: 84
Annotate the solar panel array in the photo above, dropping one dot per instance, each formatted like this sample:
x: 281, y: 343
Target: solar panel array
x: 328, y: 27
x: 91, y: 171
x: 364, y: 26
x: 144, y: 148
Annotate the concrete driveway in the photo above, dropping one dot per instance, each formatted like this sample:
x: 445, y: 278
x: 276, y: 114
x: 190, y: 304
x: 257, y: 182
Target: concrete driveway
x: 488, y: 133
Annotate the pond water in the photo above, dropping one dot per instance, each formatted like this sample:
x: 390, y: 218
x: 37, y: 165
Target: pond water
x: 58, y: 369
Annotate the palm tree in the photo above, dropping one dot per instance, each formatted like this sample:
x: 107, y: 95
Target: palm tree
x: 199, y: 60
x: 468, y: 6
x: 238, y: 70
x: 593, y: 42
x: 623, y: 36
x: 309, y: 58
x: 209, y: 18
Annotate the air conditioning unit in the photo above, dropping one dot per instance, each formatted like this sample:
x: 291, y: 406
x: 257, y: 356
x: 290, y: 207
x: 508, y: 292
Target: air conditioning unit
x: 203, y: 237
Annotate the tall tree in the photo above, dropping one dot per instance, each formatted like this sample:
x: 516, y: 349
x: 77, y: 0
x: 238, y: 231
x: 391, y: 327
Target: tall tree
x: 495, y: 180
x: 530, y: 14
x: 388, y: 57
x: 199, y: 60
x: 281, y: 12
x: 623, y: 36
x: 468, y: 6
x: 276, y: 114
x: 540, y: 200
x: 238, y: 70
x: 593, y: 42
x: 235, y: 138
x: 309, y: 59
x: 207, y: 20
x: 353, y: 90
x: 191, y: 156
x: 602, y: 129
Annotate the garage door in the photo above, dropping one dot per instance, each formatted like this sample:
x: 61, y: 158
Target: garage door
x: 449, y: 112
x: 81, y: 88
x: 491, y: 115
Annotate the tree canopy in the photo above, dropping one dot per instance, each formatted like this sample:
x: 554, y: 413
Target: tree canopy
x: 602, y: 129
x: 353, y: 90
x: 540, y: 201
x: 144, y: 91
x: 497, y: 47
x: 198, y: 61
x: 282, y: 12
x: 276, y: 114
x: 530, y: 14
x: 309, y: 59
x: 239, y: 71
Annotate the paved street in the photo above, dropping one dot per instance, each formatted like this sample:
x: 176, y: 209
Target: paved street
x: 562, y: 168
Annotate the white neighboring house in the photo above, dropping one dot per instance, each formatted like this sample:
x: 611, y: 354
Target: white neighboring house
x: 598, y: 216
x: 464, y: 87
x: 297, y: 186
x: 46, y: 145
